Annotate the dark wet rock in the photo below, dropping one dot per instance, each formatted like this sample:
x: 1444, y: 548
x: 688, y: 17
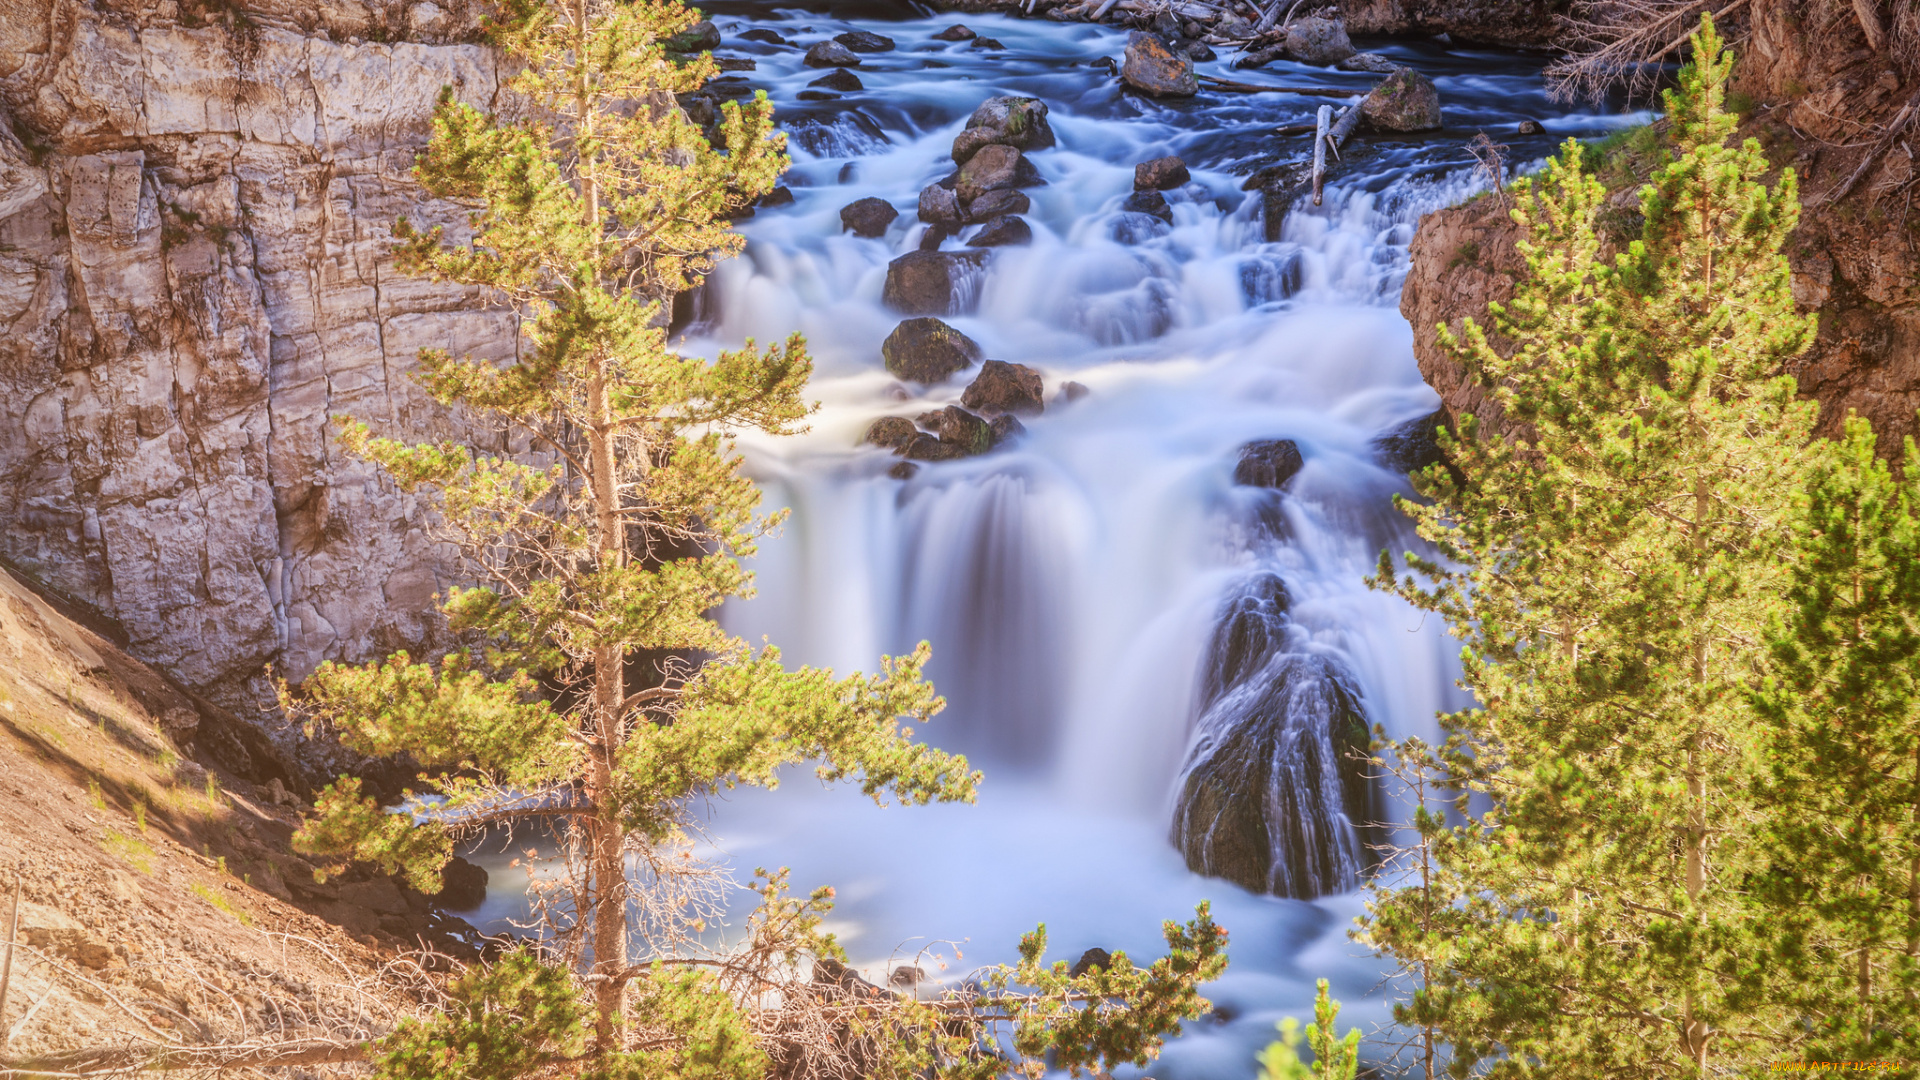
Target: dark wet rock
x: 998, y: 204
x: 868, y: 217
x: 940, y: 205
x: 736, y: 63
x: 929, y: 420
x: 963, y: 429
x: 1006, y: 428
x: 925, y: 447
x: 1005, y: 388
x: 993, y: 168
x: 779, y: 196
x: 1320, y: 42
x: 731, y: 86
x: 904, y: 470
x: 1026, y: 174
x: 1268, y: 463
x: 1106, y: 64
x: 1257, y: 58
x: 848, y: 173
x: 1149, y: 202
x: 1200, y: 52
x: 891, y: 432
x: 927, y: 350
x: 1161, y: 174
x: 987, y: 43
x: 1154, y: 69
x: 1403, y: 101
x: 702, y: 109
x: 702, y: 36
x: 1411, y: 446
x: 934, y: 237
x: 1005, y: 231
x: 865, y: 41
x: 1531, y: 127
x: 839, y: 79
x: 463, y: 886
x: 763, y: 36
x: 816, y: 95
x: 1019, y: 122
x: 1071, y: 392
x: 956, y: 32
x: 1094, y: 959
x: 830, y: 54
x: 1369, y: 62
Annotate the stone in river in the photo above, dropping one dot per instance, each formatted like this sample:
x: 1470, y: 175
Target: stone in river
x: 1366, y: 61
x: 1152, y: 68
x: 998, y: 204
x: 927, y: 351
x: 1160, y: 174
x: 925, y: 447
x: 830, y: 54
x: 865, y: 41
x: 763, y: 36
x: 1531, y: 127
x: 816, y: 95
x: 702, y: 36
x: 1004, y: 231
x: 1070, y: 392
x: 839, y: 79
x: 891, y: 432
x: 939, y: 205
x: 1005, y: 388
x: 993, y: 168
x: 1149, y: 202
x: 987, y: 43
x: 463, y: 886
x: 956, y: 32
x: 1319, y: 42
x: 1019, y: 122
x: 1200, y: 52
x: 868, y: 217
x: 779, y: 196
x: 1006, y: 428
x: 1403, y: 101
x: 1267, y: 463
x: 960, y: 428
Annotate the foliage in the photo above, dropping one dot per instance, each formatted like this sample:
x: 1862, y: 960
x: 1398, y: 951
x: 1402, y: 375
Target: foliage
x: 1333, y: 1058
x: 1608, y: 569
x: 500, y: 1020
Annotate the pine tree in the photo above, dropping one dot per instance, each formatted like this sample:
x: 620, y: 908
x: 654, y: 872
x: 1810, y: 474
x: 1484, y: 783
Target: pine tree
x: 1609, y: 570
x: 594, y: 199
x: 1840, y: 895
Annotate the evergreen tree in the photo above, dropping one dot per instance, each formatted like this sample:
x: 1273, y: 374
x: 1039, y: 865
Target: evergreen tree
x: 594, y: 200
x: 1609, y: 571
x: 1840, y: 897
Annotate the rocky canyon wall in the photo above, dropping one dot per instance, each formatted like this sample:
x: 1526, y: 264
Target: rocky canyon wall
x: 195, y: 210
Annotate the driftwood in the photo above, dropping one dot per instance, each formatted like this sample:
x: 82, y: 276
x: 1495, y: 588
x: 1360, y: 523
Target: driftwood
x: 1215, y: 83
x: 1320, y: 125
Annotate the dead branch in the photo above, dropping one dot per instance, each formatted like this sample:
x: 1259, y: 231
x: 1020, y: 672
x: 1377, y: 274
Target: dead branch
x: 1216, y: 83
x: 1901, y: 121
x: 1619, y: 41
x: 1869, y: 21
x: 109, y: 1061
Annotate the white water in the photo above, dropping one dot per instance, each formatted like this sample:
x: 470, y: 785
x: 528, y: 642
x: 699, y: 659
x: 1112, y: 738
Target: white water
x: 1069, y: 584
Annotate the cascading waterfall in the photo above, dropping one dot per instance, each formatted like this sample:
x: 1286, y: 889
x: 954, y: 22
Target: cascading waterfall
x: 1129, y: 642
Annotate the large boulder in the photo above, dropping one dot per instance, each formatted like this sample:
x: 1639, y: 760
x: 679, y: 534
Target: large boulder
x: 1154, y: 69
x: 463, y: 886
x: 1019, y: 122
x: 1412, y: 445
x: 1320, y: 42
x: 868, y: 217
x: 1161, y: 174
x: 940, y: 205
x: 865, y: 41
x: 1268, y: 463
x: 1005, y: 231
x: 927, y: 351
x: 830, y: 54
x: 1403, y: 101
x: 999, y: 204
x: 960, y: 428
x: 1005, y: 388
x: 993, y: 168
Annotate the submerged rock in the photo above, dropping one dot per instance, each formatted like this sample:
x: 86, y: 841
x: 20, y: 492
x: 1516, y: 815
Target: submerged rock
x: 1320, y: 42
x: 1411, y: 446
x: 1161, y: 174
x: 1006, y: 428
x: 1149, y: 202
x: 1005, y: 231
x: 956, y: 32
x: 929, y: 282
x: 1152, y: 68
x: 763, y: 36
x: 865, y: 41
x: 868, y: 217
x: 1268, y: 463
x: 1366, y: 61
x: 1005, y: 388
x: 1404, y: 101
x: 839, y: 79
x: 830, y: 54
x: 927, y: 351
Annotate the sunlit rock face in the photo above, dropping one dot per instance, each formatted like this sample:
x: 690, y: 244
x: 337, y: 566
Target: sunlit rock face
x: 195, y: 215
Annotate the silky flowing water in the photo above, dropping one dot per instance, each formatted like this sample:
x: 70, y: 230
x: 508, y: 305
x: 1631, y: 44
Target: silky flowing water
x: 1071, y: 584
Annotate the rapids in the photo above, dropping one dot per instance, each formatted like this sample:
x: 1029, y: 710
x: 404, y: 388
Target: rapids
x: 1070, y: 584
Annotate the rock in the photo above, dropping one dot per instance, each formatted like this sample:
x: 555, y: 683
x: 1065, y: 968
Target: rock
x: 1005, y: 231
x: 378, y: 895
x: 1200, y: 53
x: 1404, y: 101
x: 865, y: 41
x: 998, y: 204
x: 1106, y: 64
x: 74, y: 944
x: 868, y: 217
x: 1366, y: 61
x: 925, y: 447
x: 762, y: 35
x: 1070, y: 392
x: 904, y: 470
x: 1149, y: 202
x: 830, y: 54
x: 956, y: 32
x: 1161, y: 174
x: 1320, y: 42
x: 1152, y: 68
x: 1510, y: 23
x: 1411, y: 446
x: 993, y: 168
x: 277, y: 794
x: 934, y: 237
x: 960, y: 428
x: 463, y: 886
x: 1531, y: 127
x: 929, y: 419
x: 926, y: 350
x: 891, y: 432
x: 1267, y: 463
x: 1025, y: 174
x: 816, y: 95
x: 906, y: 977
x: 1006, y: 428
x: 702, y: 36
x: 940, y: 205
x: 1260, y: 57
x: 779, y: 196
x: 986, y: 43
x: 736, y: 63
x: 1094, y: 959
x: 839, y: 79
x: 1005, y: 388
x: 1019, y: 122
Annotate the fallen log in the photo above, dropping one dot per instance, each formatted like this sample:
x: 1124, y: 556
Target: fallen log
x: 1254, y: 88
x: 1320, y: 125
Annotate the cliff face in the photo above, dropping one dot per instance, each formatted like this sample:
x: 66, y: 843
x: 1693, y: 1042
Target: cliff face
x: 195, y: 206
x: 1825, y: 96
